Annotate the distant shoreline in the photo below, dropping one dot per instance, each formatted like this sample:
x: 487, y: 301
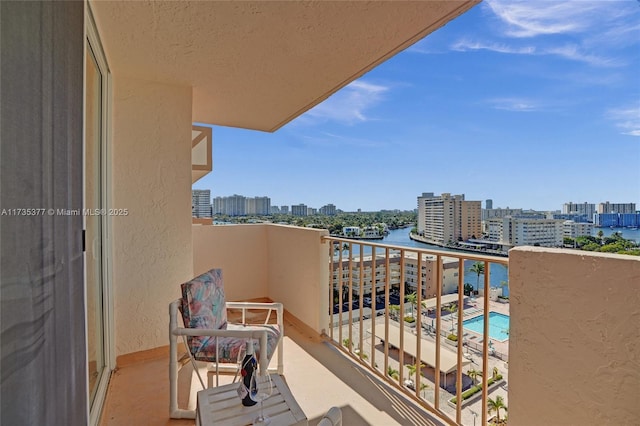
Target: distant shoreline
x: 420, y: 239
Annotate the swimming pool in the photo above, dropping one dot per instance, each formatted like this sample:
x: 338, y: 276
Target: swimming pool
x: 498, y: 325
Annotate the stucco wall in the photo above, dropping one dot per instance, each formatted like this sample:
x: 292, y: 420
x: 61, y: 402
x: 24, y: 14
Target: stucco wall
x: 240, y: 251
x: 574, y: 346
x: 284, y: 263
x: 151, y: 177
x: 299, y: 273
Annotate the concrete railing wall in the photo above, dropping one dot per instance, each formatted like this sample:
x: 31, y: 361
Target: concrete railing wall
x: 284, y: 263
x: 574, y: 343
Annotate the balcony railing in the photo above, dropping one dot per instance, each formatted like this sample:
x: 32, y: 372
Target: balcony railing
x: 370, y: 326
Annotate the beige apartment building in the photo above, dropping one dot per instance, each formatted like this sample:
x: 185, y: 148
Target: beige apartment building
x: 410, y: 276
x: 448, y: 218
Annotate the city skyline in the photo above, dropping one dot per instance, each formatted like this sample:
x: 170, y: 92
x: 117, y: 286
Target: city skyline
x: 529, y: 104
x: 563, y: 209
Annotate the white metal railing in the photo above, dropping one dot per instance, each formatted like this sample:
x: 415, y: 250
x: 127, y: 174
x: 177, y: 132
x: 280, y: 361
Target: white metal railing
x: 367, y: 325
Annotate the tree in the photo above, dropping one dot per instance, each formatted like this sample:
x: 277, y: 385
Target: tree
x: 496, y: 405
x: 393, y: 373
x: 474, y: 374
x: 412, y: 299
x: 451, y: 309
x: 468, y: 288
x: 503, y: 285
x: 495, y: 372
x: 600, y: 234
x: 413, y: 368
x: 478, y: 269
x: 347, y: 343
x: 423, y: 386
x: 393, y: 311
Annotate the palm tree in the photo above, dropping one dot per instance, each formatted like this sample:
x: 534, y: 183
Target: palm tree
x: 504, y: 284
x: 478, y: 269
x: 495, y: 372
x: 423, y: 386
x: 412, y: 369
x: 393, y: 373
x: 474, y: 374
x: 496, y: 405
x: 451, y: 309
x: 412, y: 299
x: 393, y: 311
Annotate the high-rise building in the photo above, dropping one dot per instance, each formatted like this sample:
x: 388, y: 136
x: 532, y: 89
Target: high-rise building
x: 499, y: 212
x: 235, y: 205
x: 201, y: 203
x: 299, y: 210
x: 622, y: 208
x: 448, y: 218
x: 582, y: 209
x: 262, y: 205
x: 328, y: 210
x: 488, y: 204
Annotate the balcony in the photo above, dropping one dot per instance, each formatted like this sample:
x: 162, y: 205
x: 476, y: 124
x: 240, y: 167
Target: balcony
x: 573, y: 315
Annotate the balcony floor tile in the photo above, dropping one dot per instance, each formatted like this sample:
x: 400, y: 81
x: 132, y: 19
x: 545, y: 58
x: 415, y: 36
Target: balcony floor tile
x: 319, y: 375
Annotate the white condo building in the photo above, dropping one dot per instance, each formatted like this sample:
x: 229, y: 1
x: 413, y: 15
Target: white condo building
x: 201, y: 203
x: 510, y: 231
x: 623, y: 208
x: 448, y: 218
x: 587, y: 209
x: 573, y: 229
x: 299, y: 210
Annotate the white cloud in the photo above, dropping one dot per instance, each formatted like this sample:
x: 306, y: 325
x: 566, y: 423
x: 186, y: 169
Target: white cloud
x: 326, y: 139
x: 534, y: 18
x: 514, y: 104
x: 350, y: 104
x: 465, y: 45
x: 571, y: 52
x: 626, y: 118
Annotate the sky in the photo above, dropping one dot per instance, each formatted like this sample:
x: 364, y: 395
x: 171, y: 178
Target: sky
x: 531, y: 104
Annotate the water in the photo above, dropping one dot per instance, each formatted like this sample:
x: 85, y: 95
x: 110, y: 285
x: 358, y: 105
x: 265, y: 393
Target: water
x: 400, y: 237
x: 629, y: 234
x: 498, y: 273
x: 498, y: 325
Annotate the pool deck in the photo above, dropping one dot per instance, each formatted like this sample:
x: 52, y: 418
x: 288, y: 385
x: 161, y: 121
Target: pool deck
x: 471, y: 310
x: 474, y: 309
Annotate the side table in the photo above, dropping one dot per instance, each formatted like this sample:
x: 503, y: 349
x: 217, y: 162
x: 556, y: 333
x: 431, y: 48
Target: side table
x: 221, y: 406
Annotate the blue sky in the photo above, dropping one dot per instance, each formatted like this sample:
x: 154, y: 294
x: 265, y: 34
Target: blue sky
x: 531, y: 104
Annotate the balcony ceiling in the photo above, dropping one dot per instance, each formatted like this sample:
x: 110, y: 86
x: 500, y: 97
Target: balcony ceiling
x: 258, y: 65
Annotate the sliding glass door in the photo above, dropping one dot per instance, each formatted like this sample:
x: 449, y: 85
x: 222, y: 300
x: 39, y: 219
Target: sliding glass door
x: 95, y: 221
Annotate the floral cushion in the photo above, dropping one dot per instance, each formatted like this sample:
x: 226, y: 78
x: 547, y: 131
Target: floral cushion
x: 203, y: 306
x: 229, y: 348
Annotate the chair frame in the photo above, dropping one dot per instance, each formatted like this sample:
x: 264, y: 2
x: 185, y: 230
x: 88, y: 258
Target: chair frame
x: 176, y: 331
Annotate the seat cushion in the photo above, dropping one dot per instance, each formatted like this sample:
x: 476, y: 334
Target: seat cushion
x: 203, y: 305
x: 229, y: 348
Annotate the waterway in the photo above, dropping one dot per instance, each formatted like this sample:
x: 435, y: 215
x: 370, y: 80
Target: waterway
x: 400, y: 237
x: 498, y: 273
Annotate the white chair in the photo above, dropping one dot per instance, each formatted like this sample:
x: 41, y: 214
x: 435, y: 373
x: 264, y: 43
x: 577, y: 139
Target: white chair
x: 332, y: 418
x: 209, y: 338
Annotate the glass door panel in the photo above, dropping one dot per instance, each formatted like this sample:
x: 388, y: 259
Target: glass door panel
x: 93, y: 200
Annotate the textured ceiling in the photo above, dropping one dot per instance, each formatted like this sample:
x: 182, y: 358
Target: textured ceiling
x: 258, y: 65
